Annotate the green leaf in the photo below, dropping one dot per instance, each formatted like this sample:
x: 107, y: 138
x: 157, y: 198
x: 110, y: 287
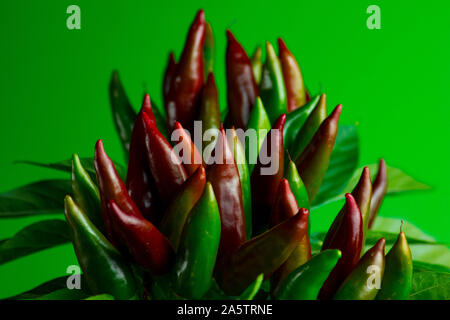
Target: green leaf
x: 66, y: 166
x: 343, y: 162
x: 65, y: 294
x: 430, y: 283
x: 101, y: 297
x: 33, y: 238
x: 253, y: 289
x: 42, y: 197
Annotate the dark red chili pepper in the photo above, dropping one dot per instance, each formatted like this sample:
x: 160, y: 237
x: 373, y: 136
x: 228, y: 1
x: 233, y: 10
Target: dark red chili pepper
x: 363, y: 194
x: 166, y: 167
x: 168, y: 75
x: 224, y: 177
x: 147, y: 245
x: 379, y: 190
x: 139, y: 182
x: 242, y: 90
x: 187, y: 79
x: 345, y: 234
x: 209, y: 113
x: 266, y: 175
x: 192, y: 159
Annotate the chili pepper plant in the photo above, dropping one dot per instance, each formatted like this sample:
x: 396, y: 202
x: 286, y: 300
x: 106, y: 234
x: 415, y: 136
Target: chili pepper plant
x: 228, y: 215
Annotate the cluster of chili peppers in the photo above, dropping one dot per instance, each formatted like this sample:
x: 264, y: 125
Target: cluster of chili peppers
x: 176, y: 229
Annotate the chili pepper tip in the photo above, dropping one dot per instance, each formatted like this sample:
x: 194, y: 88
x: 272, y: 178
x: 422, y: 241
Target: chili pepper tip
x: 282, y: 45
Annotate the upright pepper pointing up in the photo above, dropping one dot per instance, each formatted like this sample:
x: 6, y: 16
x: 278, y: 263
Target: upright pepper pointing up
x: 168, y: 75
x: 241, y: 85
x: 209, y: 113
x: 379, y: 190
x: 312, y: 163
x: 208, y: 50
x: 363, y: 194
x: 257, y: 64
x: 187, y: 79
x: 191, y: 157
x: 295, y: 88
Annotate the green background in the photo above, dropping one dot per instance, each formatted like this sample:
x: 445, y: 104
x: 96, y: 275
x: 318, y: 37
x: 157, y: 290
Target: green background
x: 394, y: 82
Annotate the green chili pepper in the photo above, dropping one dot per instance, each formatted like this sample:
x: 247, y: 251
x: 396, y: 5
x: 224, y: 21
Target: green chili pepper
x: 310, y: 127
x: 103, y: 266
x: 197, y: 253
x: 364, y: 281
x: 295, y: 121
x: 86, y: 193
x: 209, y: 113
x: 397, y: 279
x: 244, y: 175
x: 258, y: 121
x: 297, y: 186
x: 208, y: 50
x: 257, y: 64
x: 271, y: 89
x: 304, y: 283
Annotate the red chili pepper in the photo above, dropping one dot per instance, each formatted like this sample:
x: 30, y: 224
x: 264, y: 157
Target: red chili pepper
x: 168, y: 75
x: 242, y: 89
x: 224, y: 177
x: 139, y: 182
x: 166, y: 167
x: 345, y: 234
x: 379, y: 190
x: 363, y: 194
x: 187, y: 80
x: 192, y: 159
x: 149, y: 247
x: 266, y: 175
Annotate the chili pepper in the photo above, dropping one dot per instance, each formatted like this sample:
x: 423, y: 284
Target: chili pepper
x: 123, y: 113
x: 293, y: 79
x: 244, y: 175
x: 224, y: 177
x: 187, y: 79
x: 362, y: 194
x: 140, y: 183
x: 191, y: 157
x: 267, y: 174
x: 310, y: 127
x: 361, y: 284
x: 196, y: 257
x: 111, y: 187
x: 397, y: 279
x: 257, y: 64
x: 296, y: 185
x: 241, y: 85
x: 379, y: 190
x: 346, y: 235
x: 209, y: 113
x: 312, y: 163
x: 168, y: 75
x: 147, y: 245
x: 271, y: 89
x: 160, y: 120
x: 286, y: 206
x: 295, y: 121
x: 86, y: 193
x: 103, y: 267
x: 181, y: 204
x: 208, y: 50
x: 262, y: 254
x: 260, y: 123
x: 304, y: 283
x: 167, y: 169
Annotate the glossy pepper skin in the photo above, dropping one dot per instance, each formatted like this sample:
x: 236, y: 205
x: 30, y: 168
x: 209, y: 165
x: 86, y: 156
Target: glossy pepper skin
x: 86, y: 193
x: 168, y: 75
x: 146, y: 244
x: 271, y: 88
x: 361, y: 282
x: 140, y: 183
x: 363, y: 195
x: 285, y: 207
x: 187, y: 80
x: 312, y: 163
x: 260, y: 123
x: 257, y: 64
x: 105, y: 269
x: 111, y: 187
x: 304, y: 283
x: 191, y: 157
x: 224, y: 177
x: 262, y: 254
x: 297, y: 186
x: 241, y: 85
x: 267, y: 174
x: 167, y: 169
x: 397, y: 279
x: 295, y: 121
x: 181, y: 204
x: 209, y: 113
x: 310, y: 127
x: 244, y: 175
x: 293, y: 79
x: 380, y: 186
x: 196, y: 257
x: 346, y: 235
x: 208, y: 50
x: 123, y: 113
